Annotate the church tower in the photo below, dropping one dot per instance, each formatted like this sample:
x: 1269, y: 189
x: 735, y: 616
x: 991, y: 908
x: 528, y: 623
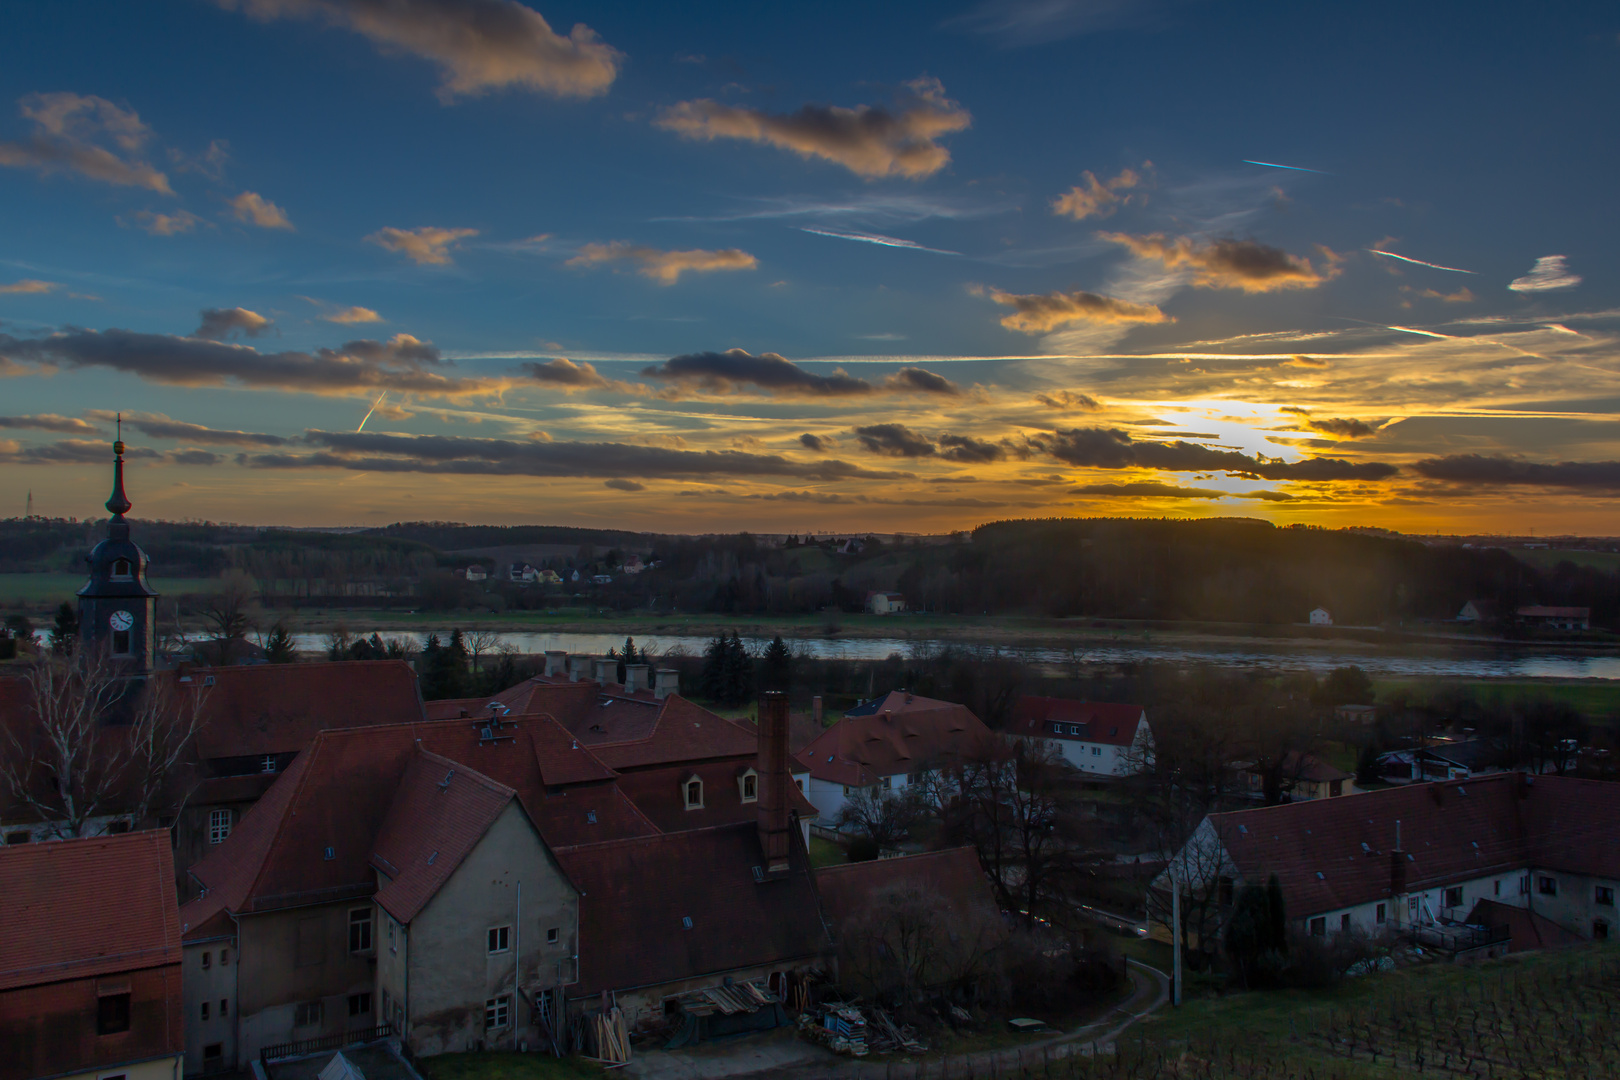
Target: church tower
x: 117, y: 608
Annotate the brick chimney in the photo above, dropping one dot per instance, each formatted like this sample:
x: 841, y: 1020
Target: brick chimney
x: 1397, y: 866
x: 635, y: 677
x: 579, y: 668
x: 775, y: 819
x: 556, y: 662
x: 605, y: 672
x: 666, y: 681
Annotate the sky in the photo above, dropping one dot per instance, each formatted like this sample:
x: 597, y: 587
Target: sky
x: 812, y: 267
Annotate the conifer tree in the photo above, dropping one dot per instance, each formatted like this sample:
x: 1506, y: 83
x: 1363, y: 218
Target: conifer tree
x: 278, y: 647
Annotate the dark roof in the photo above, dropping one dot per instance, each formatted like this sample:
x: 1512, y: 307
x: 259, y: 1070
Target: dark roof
x: 1099, y: 722
x: 440, y: 811
x: 954, y: 874
x: 681, y: 732
x: 1530, y: 929
x: 1539, y: 611
x: 861, y: 748
x: 660, y: 794
x: 81, y: 908
x: 278, y: 708
x: 635, y: 894
x: 1335, y: 853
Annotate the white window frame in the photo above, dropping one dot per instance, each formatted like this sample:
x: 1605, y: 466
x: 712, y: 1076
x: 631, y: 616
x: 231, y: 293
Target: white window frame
x: 498, y: 940
x: 366, y: 920
x: 219, y: 826
x: 686, y: 792
x: 498, y: 1013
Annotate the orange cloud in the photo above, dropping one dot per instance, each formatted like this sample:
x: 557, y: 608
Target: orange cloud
x: 255, y: 209
x: 1042, y: 313
x: 29, y: 285
x: 1095, y: 198
x: 1231, y: 264
x: 68, y: 129
x: 868, y: 140
x: 426, y: 246
x: 181, y: 221
x: 664, y: 267
x: 350, y: 315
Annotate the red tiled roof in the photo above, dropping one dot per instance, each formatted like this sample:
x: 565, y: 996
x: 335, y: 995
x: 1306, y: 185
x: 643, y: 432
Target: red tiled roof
x: 682, y: 732
x: 634, y: 895
x: 278, y: 708
x: 1450, y: 831
x: 859, y: 749
x: 954, y: 874
x: 1099, y: 722
x: 80, y: 908
x: 440, y: 811
x: 660, y: 795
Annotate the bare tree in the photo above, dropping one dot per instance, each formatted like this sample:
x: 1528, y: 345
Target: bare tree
x: 479, y: 642
x: 879, y: 813
x: 164, y: 720
x: 61, y: 760
x: 908, y: 942
x: 231, y: 610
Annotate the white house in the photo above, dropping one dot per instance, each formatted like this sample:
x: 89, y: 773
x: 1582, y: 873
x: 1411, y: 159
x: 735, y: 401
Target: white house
x: 1097, y: 738
x: 1538, y: 852
x: 885, y: 603
x: 885, y: 743
x: 1321, y: 617
x: 476, y: 573
x: 523, y: 572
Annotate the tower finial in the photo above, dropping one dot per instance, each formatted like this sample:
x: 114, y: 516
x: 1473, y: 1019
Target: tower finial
x: 118, y: 503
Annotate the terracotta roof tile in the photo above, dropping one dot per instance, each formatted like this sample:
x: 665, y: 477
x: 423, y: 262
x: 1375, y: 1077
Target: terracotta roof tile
x: 660, y: 794
x: 954, y: 874
x: 1099, y: 722
x: 861, y: 748
x: 94, y: 906
x: 682, y: 732
x: 278, y: 708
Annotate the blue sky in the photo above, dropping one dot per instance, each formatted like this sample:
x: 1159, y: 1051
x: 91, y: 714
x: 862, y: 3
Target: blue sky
x: 1031, y: 235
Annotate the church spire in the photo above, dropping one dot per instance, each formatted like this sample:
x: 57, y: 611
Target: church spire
x: 118, y: 503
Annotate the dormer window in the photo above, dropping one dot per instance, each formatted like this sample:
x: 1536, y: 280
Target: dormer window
x: 121, y: 570
x: 748, y: 786
x: 694, y: 794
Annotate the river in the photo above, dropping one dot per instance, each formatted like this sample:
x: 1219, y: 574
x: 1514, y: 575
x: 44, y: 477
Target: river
x: 1460, y: 663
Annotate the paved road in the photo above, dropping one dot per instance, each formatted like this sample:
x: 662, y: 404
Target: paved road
x: 783, y: 1053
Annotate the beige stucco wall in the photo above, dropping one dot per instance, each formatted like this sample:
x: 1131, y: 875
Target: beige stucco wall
x: 275, y: 977
x: 163, y: 1068
x: 213, y: 984
x: 449, y: 972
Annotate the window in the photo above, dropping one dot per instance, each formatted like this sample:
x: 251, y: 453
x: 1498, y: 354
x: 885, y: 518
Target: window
x: 694, y: 794
x: 120, y: 569
x: 224, y: 957
x: 1344, y: 921
x: 120, y: 642
x: 1605, y: 895
x: 359, y: 1005
x: 499, y: 938
x: 1524, y: 885
x: 308, y: 1014
x: 19, y: 837
x: 1057, y: 729
x: 205, y: 1010
x: 1547, y: 886
x: 207, y: 958
x: 112, y: 1014
x: 1454, y: 897
x: 219, y: 825
x: 497, y: 1012
x: 750, y: 787
x: 1496, y: 887
x: 360, y: 930
x: 1600, y: 930
x: 1096, y: 751
x: 213, y: 1056
x: 553, y: 936
x: 224, y: 1007
x: 1380, y: 913
x: 267, y: 763
x: 1319, y: 926
x: 1411, y: 907
x: 1074, y: 729
x: 1335, y: 788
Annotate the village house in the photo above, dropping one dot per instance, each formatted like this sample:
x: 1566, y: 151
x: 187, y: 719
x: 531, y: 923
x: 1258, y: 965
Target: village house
x: 1103, y: 741
x: 1440, y: 759
x: 886, y: 743
x: 953, y: 874
x: 522, y: 574
x: 1301, y: 776
x: 90, y: 960
x: 885, y: 603
x: 1555, y: 618
x: 1321, y: 617
x: 1420, y: 860
x: 475, y: 573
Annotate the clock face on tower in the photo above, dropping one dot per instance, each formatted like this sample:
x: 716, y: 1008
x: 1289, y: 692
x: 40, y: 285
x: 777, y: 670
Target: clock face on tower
x: 121, y: 620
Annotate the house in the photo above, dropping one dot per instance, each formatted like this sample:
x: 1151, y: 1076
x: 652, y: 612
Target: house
x: 1556, y: 618
x: 885, y: 603
x: 1301, y: 776
x: 633, y: 564
x: 1478, y: 611
x: 90, y: 960
x: 464, y: 880
x: 853, y: 546
x: 601, y: 579
x: 475, y: 573
x: 954, y: 875
x: 1101, y: 740
x: 1366, y: 715
x: 523, y: 574
x: 1321, y: 617
x: 887, y: 743
x: 1418, y: 859
x: 548, y: 576
x: 1441, y: 760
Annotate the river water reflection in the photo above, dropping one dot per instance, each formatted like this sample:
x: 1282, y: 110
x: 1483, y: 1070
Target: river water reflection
x: 1462, y: 663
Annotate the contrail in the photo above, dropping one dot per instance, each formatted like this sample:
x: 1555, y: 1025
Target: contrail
x: 1420, y: 262
x: 1429, y: 333
x: 876, y: 238
x: 371, y: 410
x: 1290, y: 168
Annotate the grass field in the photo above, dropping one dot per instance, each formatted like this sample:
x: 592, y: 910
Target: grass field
x: 1597, y: 700
x: 1548, y: 559
x: 826, y: 853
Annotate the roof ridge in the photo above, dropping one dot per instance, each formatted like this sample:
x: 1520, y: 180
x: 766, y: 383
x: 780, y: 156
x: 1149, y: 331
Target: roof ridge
x: 462, y: 768
x: 659, y: 837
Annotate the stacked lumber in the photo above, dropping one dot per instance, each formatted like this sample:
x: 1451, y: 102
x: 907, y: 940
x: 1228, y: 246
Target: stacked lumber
x: 608, y: 1032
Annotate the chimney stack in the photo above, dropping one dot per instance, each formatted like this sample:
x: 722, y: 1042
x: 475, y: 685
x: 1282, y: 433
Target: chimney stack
x: 635, y: 677
x: 556, y: 662
x: 666, y: 681
x: 775, y: 821
x: 815, y: 709
x: 1397, y: 866
x: 579, y: 668
x: 605, y: 672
